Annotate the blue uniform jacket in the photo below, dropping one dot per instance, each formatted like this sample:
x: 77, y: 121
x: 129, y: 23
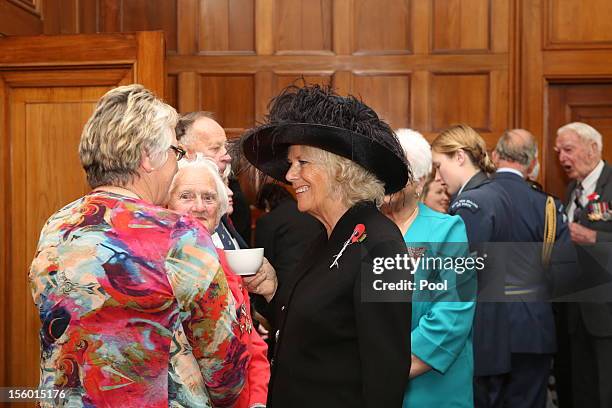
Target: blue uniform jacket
x: 487, y: 213
x: 533, y: 317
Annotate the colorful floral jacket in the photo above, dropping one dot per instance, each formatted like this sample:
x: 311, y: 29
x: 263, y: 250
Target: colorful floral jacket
x: 117, y: 282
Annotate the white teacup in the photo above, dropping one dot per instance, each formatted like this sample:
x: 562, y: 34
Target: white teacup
x: 245, y: 262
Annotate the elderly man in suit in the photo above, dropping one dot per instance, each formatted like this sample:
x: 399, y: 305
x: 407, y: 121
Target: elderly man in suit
x: 198, y: 132
x: 515, y: 157
x: 579, y: 147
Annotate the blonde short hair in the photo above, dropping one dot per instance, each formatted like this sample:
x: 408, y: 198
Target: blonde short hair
x: 353, y: 182
x: 126, y: 121
x: 463, y: 137
x: 204, y: 164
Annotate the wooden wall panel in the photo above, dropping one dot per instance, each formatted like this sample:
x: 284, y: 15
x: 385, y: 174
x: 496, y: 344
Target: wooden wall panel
x: 303, y: 26
x: 574, y: 23
x: 231, y: 98
x: 171, y: 90
x: 563, y: 43
x: 283, y: 80
x: 226, y: 26
x: 149, y: 15
x: 388, y: 95
x: 461, y: 26
x: 460, y: 98
x: 61, y: 17
x: 382, y: 27
x: 20, y: 18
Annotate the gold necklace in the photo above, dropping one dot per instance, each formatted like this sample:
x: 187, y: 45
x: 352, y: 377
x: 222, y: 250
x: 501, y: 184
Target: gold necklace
x: 406, y: 225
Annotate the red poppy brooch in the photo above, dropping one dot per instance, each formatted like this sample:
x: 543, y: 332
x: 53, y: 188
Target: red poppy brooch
x: 358, y: 235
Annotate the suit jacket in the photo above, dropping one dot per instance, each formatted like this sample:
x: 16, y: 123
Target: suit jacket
x: 487, y: 213
x: 531, y: 315
x: 233, y: 232
x: 286, y: 234
x: 596, y: 317
x: 335, y: 349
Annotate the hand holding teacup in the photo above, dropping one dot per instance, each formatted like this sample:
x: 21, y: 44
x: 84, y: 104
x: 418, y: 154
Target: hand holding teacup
x: 264, y: 282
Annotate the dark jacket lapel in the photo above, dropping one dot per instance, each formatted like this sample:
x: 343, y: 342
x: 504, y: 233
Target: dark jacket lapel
x: 604, y: 179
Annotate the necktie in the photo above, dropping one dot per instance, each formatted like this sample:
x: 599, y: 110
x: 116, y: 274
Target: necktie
x: 224, y: 236
x: 577, y: 196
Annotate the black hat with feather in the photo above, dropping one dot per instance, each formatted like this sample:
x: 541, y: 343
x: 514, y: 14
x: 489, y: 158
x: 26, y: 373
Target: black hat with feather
x: 318, y: 117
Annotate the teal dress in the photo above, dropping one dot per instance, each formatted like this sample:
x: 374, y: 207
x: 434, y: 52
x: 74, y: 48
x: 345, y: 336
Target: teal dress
x: 441, y: 325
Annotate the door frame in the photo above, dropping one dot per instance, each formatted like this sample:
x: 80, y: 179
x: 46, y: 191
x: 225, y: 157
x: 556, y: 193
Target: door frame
x: 143, y: 52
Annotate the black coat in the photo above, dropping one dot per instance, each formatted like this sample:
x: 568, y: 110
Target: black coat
x: 286, y: 234
x: 596, y: 317
x: 333, y: 348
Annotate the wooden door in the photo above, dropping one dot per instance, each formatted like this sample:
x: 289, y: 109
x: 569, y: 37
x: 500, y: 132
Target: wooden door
x: 576, y: 102
x: 48, y: 89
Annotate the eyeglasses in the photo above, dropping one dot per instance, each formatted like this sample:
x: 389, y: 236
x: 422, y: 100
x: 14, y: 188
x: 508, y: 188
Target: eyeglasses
x: 179, y: 151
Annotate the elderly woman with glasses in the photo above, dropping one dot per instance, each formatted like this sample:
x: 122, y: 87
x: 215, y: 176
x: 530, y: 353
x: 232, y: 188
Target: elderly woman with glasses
x: 198, y: 190
x: 442, y: 362
x: 119, y: 280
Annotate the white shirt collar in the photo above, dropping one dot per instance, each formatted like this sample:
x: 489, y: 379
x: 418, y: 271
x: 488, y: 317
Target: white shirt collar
x: 510, y: 170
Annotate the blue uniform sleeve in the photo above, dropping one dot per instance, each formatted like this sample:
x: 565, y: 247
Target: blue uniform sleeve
x: 479, y: 222
x: 442, y: 333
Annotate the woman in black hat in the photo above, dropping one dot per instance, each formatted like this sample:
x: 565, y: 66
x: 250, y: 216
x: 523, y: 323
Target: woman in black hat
x: 340, y: 343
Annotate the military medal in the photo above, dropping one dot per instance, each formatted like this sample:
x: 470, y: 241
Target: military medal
x: 358, y: 235
x: 598, y: 210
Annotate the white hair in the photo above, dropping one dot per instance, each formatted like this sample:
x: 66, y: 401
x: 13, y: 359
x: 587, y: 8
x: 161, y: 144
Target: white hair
x: 584, y: 131
x: 203, y: 163
x: 417, y: 151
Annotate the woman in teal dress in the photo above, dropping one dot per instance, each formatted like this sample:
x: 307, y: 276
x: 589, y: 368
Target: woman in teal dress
x: 442, y: 362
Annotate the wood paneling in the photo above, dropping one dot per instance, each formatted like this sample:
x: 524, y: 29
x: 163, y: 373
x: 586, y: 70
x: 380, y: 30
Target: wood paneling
x: 55, y: 118
x: 557, y: 48
x: 226, y: 26
x: 20, y: 18
x: 382, y: 27
x: 234, y: 55
x: 281, y: 81
x: 171, y: 90
x: 576, y: 24
x: 149, y: 15
x: 460, y: 98
x: 231, y: 98
x: 303, y: 26
x: 48, y: 87
x: 61, y: 17
x: 388, y: 95
x: 461, y: 26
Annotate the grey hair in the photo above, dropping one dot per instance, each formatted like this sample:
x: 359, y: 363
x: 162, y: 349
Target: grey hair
x: 417, y: 151
x: 206, y: 164
x: 185, y: 124
x: 353, y: 182
x: 585, y: 132
x: 511, y: 148
x: 126, y: 121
